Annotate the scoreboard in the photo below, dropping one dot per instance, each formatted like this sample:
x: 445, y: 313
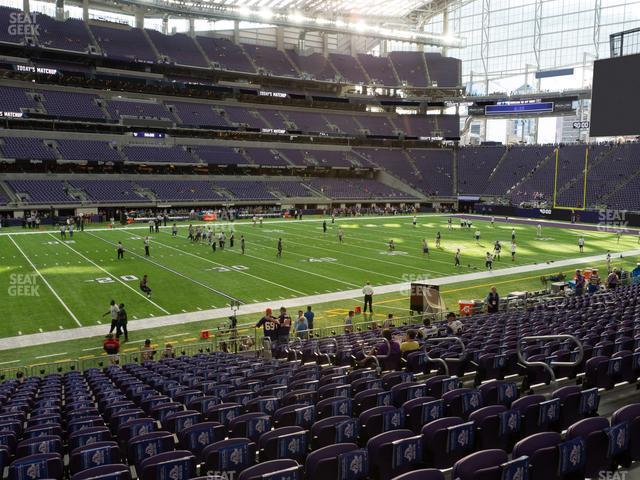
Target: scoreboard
x: 525, y: 107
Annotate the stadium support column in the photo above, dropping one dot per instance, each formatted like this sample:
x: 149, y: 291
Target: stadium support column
x: 325, y: 44
x: 280, y: 38
x: 484, y: 42
x: 60, y: 10
x: 597, y: 10
x: 85, y: 10
x: 25, y: 6
x: 445, y: 28
x: 537, y: 31
x: 139, y: 17
x: 236, y: 31
x: 192, y: 27
x: 165, y: 25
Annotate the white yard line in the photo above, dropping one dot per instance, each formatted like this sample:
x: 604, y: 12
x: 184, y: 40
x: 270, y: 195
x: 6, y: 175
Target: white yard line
x: 55, y: 294
x: 115, y: 277
x: 51, y: 355
x: 61, y: 336
x: 171, y: 270
x: 264, y: 280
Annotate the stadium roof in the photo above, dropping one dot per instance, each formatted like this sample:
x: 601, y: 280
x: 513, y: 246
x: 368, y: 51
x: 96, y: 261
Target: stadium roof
x: 363, y: 8
x: 390, y: 19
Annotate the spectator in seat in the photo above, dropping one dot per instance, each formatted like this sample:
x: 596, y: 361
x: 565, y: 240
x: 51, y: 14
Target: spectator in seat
x: 168, y: 351
x: 409, y: 343
x: 454, y: 326
x: 613, y: 280
x: 111, y: 346
x: 392, y: 354
x: 580, y: 282
x: 302, y: 327
x: 146, y: 351
x: 427, y: 330
x: 493, y: 301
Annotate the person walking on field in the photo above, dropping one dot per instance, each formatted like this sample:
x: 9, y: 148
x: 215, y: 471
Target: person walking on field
x: 122, y: 323
x: 367, y: 291
x: 113, y: 312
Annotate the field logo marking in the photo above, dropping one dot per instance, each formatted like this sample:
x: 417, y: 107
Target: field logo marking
x: 23, y: 285
x: 320, y: 260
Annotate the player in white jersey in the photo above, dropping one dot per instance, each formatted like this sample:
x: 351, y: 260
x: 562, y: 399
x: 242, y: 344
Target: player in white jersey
x: 513, y: 251
x: 539, y: 231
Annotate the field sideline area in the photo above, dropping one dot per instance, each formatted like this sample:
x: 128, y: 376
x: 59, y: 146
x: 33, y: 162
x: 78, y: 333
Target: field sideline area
x: 58, y: 285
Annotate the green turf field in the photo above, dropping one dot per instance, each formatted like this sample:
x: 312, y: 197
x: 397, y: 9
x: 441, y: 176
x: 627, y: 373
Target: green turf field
x: 59, y: 285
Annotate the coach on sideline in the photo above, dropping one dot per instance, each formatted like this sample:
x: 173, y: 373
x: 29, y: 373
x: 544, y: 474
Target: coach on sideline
x: 367, y: 291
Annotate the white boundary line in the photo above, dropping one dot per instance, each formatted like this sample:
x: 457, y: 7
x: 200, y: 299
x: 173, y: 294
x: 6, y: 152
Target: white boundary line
x: 257, y: 308
x: 55, y: 294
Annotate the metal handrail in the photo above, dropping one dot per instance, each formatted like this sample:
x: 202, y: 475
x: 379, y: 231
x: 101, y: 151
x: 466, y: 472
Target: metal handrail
x: 442, y: 361
x: 328, y: 340
x: 291, y: 347
x: 545, y: 365
x: 377, y: 358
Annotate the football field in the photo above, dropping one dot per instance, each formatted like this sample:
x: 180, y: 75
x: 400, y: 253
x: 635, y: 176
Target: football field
x: 57, y: 284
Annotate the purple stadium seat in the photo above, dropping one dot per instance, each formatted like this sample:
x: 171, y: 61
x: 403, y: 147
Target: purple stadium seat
x: 630, y: 414
x: 377, y: 420
x: 331, y: 430
x: 135, y: 427
x: 300, y: 415
x: 285, y: 468
x: 149, y: 444
x: 94, y: 455
x: 250, y: 425
x: 423, y: 474
x: 447, y: 440
x: 328, y: 461
x: 233, y: 455
x: 284, y: 442
x: 178, y: 421
x: 106, y: 472
x: 197, y: 437
x: 529, y: 408
x: 542, y: 450
x: 178, y: 464
x: 420, y: 411
x: 394, y: 452
x: 43, y: 465
x: 492, y: 428
x: 482, y: 465
x: 592, y: 431
x: 44, y: 444
x: 88, y: 436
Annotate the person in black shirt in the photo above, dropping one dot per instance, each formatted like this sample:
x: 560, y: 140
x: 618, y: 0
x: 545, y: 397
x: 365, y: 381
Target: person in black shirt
x: 270, y: 326
x: 284, y: 328
x: 493, y: 301
x: 122, y: 323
